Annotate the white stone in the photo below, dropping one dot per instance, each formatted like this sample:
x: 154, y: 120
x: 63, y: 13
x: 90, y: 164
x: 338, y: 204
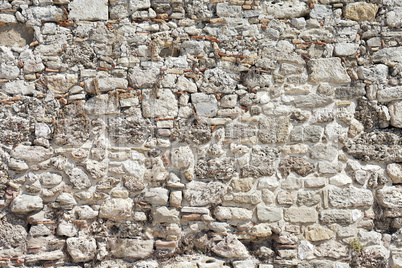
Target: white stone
x: 394, y: 171
x: 19, y: 87
x: 328, y: 70
x: 88, y: 10
x: 26, y: 203
x: 182, y: 157
x: 81, y: 249
x: 116, y: 209
x: 159, y: 103
x: 346, y: 49
x: 157, y: 196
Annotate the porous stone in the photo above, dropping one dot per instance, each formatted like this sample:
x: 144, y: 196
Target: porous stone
x: 26, y: 203
x: 131, y: 249
x: 81, y: 249
x: 161, y: 103
x: 116, y: 209
x: 394, y: 171
x: 390, y: 197
x: 350, y: 197
x: 300, y: 215
x: 328, y: 70
x: 230, y: 247
x: 201, y: 193
x: 273, y: 129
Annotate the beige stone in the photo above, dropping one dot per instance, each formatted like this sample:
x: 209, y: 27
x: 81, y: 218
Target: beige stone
x: 360, y: 11
x: 318, y: 233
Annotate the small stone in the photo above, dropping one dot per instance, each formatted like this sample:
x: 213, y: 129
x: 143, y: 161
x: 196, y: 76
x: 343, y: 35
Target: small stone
x: 332, y: 249
x: 269, y: 214
x: 284, y: 10
x: 360, y: 11
x: 26, y: 203
x: 164, y: 215
x: 205, y: 105
x: 78, y: 178
x: 243, y: 185
x: 295, y: 164
x: 81, y: 249
x: 67, y: 229
x: 261, y: 230
x: 116, y: 209
x: 395, y: 111
x: 157, y: 196
x: 343, y: 217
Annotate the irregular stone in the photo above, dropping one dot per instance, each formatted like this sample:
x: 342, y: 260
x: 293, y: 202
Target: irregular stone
x: 323, y: 152
x: 230, y: 247
x: 390, y: 197
x: 273, y: 130
x: 350, y: 197
x: 133, y: 183
x: 285, y: 10
x: 61, y: 84
x: 164, y: 215
x: 269, y: 214
x: 159, y: 103
x: 185, y: 85
x: 343, y: 217
x: 394, y: 171
x: 328, y: 70
x: 31, y: 153
x: 131, y: 249
x: 395, y: 111
x: 101, y: 105
x: 79, y: 8
x: 312, y: 101
x: 394, y: 17
x: 332, y: 249
x: 233, y: 214
x: 45, y: 256
x: 116, y: 209
x: 308, y: 198
x: 295, y: 164
x: 261, y: 230
x: 346, y: 49
x: 216, y: 80
x: 182, y: 157
x: 282, y: 52
x: 78, y: 178
x: 300, y: 214
x: 360, y: 11
x: 81, y: 249
x: 66, y: 201
x: 50, y: 179
x: 205, y: 105
x: 26, y: 203
x: 388, y: 56
x: 305, y: 250
x: 378, y: 73
x: 216, y: 168
x: 318, y: 233
x: 19, y: 87
x: 157, y: 196
x: 48, y: 13
x: 349, y: 93
x: 67, y: 229
x: 247, y: 198
x: 243, y: 185
x: 306, y: 133
x: 339, y: 179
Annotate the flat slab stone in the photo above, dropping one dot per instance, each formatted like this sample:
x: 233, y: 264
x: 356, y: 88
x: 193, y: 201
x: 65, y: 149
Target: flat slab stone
x: 88, y: 10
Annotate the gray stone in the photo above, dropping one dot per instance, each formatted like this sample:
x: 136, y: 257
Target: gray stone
x: 138, y: 4
x: 346, y: 49
x: 165, y: 215
x: 45, y: 13
x: 61, y: 84
x: 349, y: 93
x: 217, y: 80
x: 79, y: 10
x: 312, y: 101
x: 273, y: 130
x: 343, y: 217
x: 388, y: 94
x: 185, y: 85
x: 50, y: 179
x: 201, y: 194
x: 131, y: 249
x: 81, y: 249
x: 350, y: 197
x: 328, y: 70
x: 116, y: 209
x: 390, y: 197
x: 8, y: 71
x: 395, y: 111
x: 26, y: 203
x: 101, y: 105
x: 205, y: 105
x: 228, y: 10
x: 159, y: 103
x: 306, y: 133
x: 300, y: 214
x: 31, y: 153
x: 284, y: 10
x: 377, y: 73
x: 388, y: 56
x: 323, y: 152
x: 394, y: 171
x: 157, y: 196
x: 394, y: 17
x: 308, y: 198
x: 78, y: 178
x: 269, y: 214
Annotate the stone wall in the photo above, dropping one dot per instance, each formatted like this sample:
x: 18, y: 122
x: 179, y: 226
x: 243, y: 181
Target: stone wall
x: 200, y: 133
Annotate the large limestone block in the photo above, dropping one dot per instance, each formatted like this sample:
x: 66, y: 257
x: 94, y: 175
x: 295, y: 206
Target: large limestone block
x: 360, y: 11
x: 390, y: 197
x: 81, y: 249
x: 318, y: 233
x: 388, y: 55
x: 273, y: 130
x: 60, y: 83
x: 300, y: 215
x: 116, y: 209
x: 350, y: 197
x: 328, y: 70
x: 269, y: 214
x: 233, y: 214
x: 26, y: 203
x: 159, y: 103
x: 88, y: 10
x: 131, y: 249
x: 31, y: 153
x: 182, y: 157
x: 19, y: 87
x: 389, y: 94
x: 394, y: 18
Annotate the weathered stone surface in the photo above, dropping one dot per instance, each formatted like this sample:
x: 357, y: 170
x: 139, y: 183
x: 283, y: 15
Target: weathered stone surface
x: 233, y: 213
x: 312, y: 101
x: 390, y: 197
x: 131, y: 249
x: 285, y: 10
x: 60, y: 84
x: 318, y: 233
x: 230, y: 247
x: 269, y: 214
x: 182, y: 157
x: 388, y: 94
x: 328, y: 70
x: 296, y: 164
x: 394, y: 171
x: 50, y: 179
x: 360, y: 11
x: 395, y: 111
x: 388, y: 56
x: 332, y: 249
x: 31, y: 153
x: 307, y: 133
x: 164, y: 215
x: 26, y: 203
x: 201, y: 193
x: 273, y: 130
x: 81, y: 249
x: 116, y: 209
x: 300, y: 215
x: 78, y: 178
x: 159, y: 103
x: 346, y: 49
x: 157, y: 196
x: 350, y: 197
x: 343, y: 217
x: 78, y: 10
